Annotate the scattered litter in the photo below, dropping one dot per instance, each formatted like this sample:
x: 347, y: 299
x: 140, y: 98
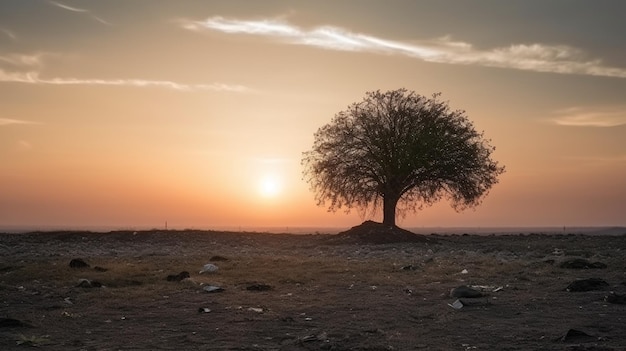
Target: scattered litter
x: 464, y: 271
x: 587, y: 285
x: 408, y: 268
x: 255, y: 309
x: 212, y: 288
x: 457, y: 305
x: 492, y: 288
x: 204, y: 310
x: 208, y: 268
x: 323, y: 336
x: 460, y: 303
x: 68, y: 301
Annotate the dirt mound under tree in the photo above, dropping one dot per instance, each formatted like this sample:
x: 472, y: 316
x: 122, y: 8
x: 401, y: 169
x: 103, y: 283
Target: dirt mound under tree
x: 370, y: 232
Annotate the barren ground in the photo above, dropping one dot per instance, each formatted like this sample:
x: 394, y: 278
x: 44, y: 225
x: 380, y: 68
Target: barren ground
x: 324, y: 294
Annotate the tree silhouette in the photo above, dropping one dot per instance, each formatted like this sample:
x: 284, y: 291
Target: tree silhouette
x: 400, y: 148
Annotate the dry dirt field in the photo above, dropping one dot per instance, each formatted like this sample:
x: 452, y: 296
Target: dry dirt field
x: 307, y: 292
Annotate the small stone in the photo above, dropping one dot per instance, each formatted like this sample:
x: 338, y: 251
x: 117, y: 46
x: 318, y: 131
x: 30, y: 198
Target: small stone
x: 177, y: 277
x: 86, y: 283
x: 587, y: 285
x: 615, y: 298
x: 217, y: 258
x: 580, y: 263
x: 465, y: 291
x: 259, y: 287
x: 209, y: 268
x: 78, y: 263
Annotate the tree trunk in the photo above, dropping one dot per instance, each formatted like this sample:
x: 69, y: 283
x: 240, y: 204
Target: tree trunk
x: 389, y: 209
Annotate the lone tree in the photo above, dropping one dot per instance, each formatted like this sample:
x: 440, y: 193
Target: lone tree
x: 400, y: 148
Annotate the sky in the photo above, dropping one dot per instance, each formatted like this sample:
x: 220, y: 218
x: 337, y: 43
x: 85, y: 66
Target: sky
x: 196, y: 113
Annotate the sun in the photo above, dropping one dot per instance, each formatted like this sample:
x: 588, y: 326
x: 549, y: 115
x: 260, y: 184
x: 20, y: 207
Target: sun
x: 270, y: 186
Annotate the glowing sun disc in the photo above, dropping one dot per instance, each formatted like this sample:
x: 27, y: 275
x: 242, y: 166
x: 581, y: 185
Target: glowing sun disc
x: 269, y: 186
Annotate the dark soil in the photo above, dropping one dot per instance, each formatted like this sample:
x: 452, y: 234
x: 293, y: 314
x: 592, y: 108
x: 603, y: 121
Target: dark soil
x: 310, y: 292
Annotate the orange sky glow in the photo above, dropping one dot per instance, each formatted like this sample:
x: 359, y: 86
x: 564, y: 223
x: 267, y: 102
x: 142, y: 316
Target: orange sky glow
x: 130, y: 114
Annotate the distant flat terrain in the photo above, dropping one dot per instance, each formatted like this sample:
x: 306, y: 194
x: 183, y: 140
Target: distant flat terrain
x: 308, y: 292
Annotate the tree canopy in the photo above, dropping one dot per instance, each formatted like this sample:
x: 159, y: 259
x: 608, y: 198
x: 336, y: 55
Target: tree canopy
x: 399, y: 148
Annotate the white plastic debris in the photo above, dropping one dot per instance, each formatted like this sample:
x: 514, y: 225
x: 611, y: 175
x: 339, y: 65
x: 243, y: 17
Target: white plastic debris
x: 457, y: 305
x: 209, y: 268
x: 212, y: 288
x: 465, y: 271
x: 255, y: 309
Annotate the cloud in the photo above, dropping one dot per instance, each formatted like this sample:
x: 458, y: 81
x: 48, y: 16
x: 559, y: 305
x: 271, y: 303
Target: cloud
x: 33, y: 78
x: 25, y: 69
x: 532, y: 57
x: 9, y: 121
x: 24, y: 145
x: 9, y: 34
x: 585, y: 117
x: 22, y: 60
x: 75, y: 9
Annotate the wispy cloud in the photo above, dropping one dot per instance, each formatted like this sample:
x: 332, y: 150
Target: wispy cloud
x: 9, y: 34
x: 9, y: 121
x: 586, y: 117
x: 33, y: 78
x: 24, y: 145
x: 532, y: 57
x: 75, y: 9
x: 22, y: 60
x: 26, y: 69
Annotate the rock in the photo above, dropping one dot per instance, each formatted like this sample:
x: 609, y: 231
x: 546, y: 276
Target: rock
x: 13, y: 323
x: 460, y: 303
x: 259, y: 287
x: 587, y: 285
x: 217, y: 258
x: 580, y: 263
x: 465, y: 291
x: 86, y: 283
x: 178, y: 277
x: 574, y: 335
x: 78, y: 263
x: 209, y: 268
x: 615, y: 298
